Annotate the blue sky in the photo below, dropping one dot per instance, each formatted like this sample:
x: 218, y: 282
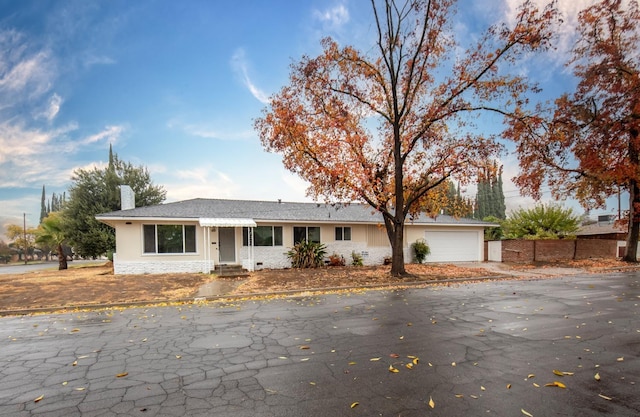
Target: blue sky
x: 175, y: 86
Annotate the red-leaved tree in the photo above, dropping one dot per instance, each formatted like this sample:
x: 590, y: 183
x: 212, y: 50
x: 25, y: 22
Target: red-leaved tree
x: 587, y: 145
x: 389, y: 125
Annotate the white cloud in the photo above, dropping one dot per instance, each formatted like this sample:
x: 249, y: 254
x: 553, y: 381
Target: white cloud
x: 90, y: 60
x: 52, y: 108
x: 25, y: 73
x: 110, y: 134
x: 568, y: 9
x: 200, y: 182
x: 334, y: 17
x: 26, y: 153
x: 211, y: 133
x: 239, y: 65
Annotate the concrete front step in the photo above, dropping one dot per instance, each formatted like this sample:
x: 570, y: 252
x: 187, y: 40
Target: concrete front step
x: 230, y: 271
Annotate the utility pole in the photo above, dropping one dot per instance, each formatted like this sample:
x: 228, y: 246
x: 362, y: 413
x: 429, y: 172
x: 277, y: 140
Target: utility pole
x: 24, y: 235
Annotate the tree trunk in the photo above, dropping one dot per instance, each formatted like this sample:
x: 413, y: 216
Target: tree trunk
x: 634, y: 201
x: 397, y: 251
x: 62, y: 259
x: 634, y: 222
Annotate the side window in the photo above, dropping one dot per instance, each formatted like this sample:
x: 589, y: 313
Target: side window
x: 343, y: 233
x: 311, y: 234
x: 277, y: 235
x: 299, y: 234
x: 189, y: 239
x: 263, y: 236
x: 149, y: 233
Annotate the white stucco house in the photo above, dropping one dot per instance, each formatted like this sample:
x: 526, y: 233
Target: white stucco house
x: 196, y: 235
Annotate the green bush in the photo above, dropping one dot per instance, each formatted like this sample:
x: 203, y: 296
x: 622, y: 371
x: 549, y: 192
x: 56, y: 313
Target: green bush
x: 307, y: 254
x: 420, y: 250
x: 356, y: 259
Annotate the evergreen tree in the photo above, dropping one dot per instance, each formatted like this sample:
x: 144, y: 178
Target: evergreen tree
x: 43, y: 205
x: 501, y: 208
x: 97, y: 191
x: 490, y: 196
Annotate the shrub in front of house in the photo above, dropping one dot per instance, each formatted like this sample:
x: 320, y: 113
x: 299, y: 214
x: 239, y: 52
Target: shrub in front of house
x: 336, y: 260
x: 420, y: 250
x: 307, y: 254
x: 356, y: 259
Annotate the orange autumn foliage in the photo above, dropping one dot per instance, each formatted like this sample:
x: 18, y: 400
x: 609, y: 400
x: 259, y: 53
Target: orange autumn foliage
x: 588, y: 145
x: 383, y: 125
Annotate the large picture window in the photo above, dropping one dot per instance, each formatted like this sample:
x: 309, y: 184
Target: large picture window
x: 169, y: 238
x: 263, y: 236
x: 310, y: 234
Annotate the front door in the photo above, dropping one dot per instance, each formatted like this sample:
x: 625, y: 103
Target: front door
x: 227, y: 245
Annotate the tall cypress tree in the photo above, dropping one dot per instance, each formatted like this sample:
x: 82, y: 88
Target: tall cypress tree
x: 43, y: 205
x: 501, y: 210
x: 490, y: 197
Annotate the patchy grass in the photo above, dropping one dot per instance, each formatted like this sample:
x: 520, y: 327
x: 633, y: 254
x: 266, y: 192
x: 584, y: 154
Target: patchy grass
x: 347, y: 276
x: 92, y: 285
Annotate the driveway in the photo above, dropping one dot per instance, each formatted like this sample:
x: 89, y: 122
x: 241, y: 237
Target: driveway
x: 485, y: 349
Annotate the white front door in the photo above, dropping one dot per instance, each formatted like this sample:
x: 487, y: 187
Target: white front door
x: 227, y: 245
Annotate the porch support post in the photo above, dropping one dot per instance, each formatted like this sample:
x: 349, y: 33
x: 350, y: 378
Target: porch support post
x: 208, y: 267
x: 250, y: 248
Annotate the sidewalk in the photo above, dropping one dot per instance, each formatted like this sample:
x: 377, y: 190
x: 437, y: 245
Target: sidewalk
x: 507, y: 269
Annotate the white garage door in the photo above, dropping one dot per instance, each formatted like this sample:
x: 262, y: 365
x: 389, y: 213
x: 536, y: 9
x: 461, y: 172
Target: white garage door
x: 453, y: 246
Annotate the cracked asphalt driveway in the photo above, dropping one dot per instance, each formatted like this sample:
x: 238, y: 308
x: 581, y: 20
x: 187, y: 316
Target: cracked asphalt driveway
x: 483, y: 349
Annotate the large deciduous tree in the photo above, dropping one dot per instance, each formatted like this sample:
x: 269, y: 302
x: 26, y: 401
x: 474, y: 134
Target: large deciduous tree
x: 588, y: 145
x: 96, y: 191
x: 22, y: 239
x: 541, y: 222
x: 388, y: 125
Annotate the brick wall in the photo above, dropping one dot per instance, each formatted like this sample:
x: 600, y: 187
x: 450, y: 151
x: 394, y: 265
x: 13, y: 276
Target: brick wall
x: 525, y: 251
x: 554, y: 250
x: 596, y: 248
x: 518, y: 251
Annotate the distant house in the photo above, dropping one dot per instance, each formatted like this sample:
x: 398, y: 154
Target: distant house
x: 605, y: 228
x: 196, y: 235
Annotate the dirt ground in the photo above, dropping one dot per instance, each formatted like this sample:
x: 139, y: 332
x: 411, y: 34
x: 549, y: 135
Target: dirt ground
x: 91, y: 285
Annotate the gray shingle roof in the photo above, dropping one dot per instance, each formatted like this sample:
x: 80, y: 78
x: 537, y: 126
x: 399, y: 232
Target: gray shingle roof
x: 270, y: 211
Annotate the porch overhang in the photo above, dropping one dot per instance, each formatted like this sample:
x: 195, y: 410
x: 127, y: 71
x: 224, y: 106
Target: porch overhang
x: 226, y: 222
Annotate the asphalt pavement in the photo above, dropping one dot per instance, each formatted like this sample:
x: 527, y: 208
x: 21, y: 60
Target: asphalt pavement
x: 567, y: 346
x: 16, y: 268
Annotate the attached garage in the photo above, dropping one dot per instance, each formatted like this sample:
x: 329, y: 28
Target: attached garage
x: 454, y: 246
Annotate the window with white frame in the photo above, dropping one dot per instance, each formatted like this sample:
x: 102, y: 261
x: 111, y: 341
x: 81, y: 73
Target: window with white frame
x: 343, y: 233
x: 169, y: 238
x: 308, y: 233
x: 263, y: 236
